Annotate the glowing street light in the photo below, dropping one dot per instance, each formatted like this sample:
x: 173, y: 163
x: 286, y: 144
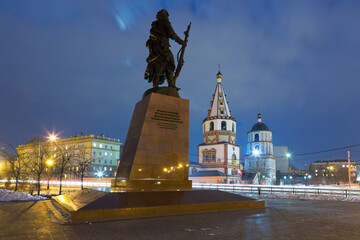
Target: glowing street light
x: 256, y: 153
x: 99, y: 174
x: 49, y: 162
x: 52, y: 137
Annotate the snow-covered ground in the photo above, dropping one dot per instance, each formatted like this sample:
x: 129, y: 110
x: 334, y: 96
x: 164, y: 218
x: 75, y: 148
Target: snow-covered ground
x: 7, y: 196
x: 305, y: 197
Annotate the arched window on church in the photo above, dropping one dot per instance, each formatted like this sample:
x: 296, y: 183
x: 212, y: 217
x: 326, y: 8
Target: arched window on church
x: 233, y: 157
x: 233, y: 127
x: 213, y: 158
x: 257, y: 147
x: 211, y: 126
x: 256, y: 137
x: 223, y: 125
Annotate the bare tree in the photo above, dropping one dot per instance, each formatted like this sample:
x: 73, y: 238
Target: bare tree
x: 16, y: 161
x: 260, y: 170
x: 82, y: 163
x: 37, y: 155
x: 63, y: 155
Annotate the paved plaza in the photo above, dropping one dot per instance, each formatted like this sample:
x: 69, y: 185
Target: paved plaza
x: 282, y: 219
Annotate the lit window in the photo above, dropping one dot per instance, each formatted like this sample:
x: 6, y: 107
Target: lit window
x: 100, y: 145
x: 110, y: 154
x: 94, y: 144
x: 77, y: 168
x: 106, y: 153
x: 211, y: 126
x: 110, y: 169
x: 66, y: 147
x: 316, y: 170
x: 104, y: 168
x: 343, y: 165
x: 223, y: 125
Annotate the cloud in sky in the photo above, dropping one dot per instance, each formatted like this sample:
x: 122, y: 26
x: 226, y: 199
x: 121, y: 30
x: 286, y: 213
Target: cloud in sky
x: 78, y: 66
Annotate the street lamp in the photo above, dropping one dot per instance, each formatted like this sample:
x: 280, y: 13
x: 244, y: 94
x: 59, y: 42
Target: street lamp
x: 49, y: 163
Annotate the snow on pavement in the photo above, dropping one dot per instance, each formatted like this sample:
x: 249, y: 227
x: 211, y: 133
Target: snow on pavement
x: 306, y: 197
x: 7, y: 196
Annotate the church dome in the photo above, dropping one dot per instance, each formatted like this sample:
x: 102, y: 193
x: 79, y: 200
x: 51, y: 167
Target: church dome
x: 259, y: 127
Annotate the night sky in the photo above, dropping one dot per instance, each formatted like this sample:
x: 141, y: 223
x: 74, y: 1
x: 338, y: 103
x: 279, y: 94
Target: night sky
x: 77, y: 66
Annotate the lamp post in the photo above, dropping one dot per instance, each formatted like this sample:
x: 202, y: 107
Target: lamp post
x: 49, y: 163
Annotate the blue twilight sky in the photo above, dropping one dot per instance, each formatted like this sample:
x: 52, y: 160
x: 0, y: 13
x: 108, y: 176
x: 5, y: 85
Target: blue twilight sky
x: 77, y: 66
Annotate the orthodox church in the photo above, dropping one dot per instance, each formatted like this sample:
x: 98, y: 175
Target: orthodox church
x: 259, y: 158
x: 219, y: 152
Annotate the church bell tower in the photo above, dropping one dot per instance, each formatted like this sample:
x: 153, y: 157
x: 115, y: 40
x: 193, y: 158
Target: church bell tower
x: 219, y: 150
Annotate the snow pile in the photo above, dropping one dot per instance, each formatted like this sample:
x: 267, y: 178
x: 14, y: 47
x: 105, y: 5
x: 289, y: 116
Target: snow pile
x: 309, y: 197
x: 7, y: 195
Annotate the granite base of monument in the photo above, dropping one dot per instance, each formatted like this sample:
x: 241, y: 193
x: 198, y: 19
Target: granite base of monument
x: 155, y: 155
x: 91, y: 205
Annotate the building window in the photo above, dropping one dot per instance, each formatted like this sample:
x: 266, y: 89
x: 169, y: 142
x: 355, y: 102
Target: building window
x: 110, y: 154
x: 104, y: 168
x: 233, y: 127
x: 257, y: 147
x: 209, y: 155
x: 110, y: 161
x: 211, y: 126
x: 99, y: 160
x: 105, y: 153
x: 110, y: 147
x: 99, y: 153
x: 100, y: 146
x: 223, y: 125
x: 105, y: 146
x: 110, y: 169
x: 94, y: 153
x: 105, y: 161
x: 222, y: 110
x: 221, y: 102
x: 234, y: 158
x: 256, y: 137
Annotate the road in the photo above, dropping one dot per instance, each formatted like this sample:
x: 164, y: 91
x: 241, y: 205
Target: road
x: 282, y: 219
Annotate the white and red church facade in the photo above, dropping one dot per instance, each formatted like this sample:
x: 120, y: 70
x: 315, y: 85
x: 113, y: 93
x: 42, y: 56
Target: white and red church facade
x: 219, y: 152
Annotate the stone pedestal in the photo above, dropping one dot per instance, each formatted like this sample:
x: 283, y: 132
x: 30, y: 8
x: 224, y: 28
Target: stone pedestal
x: 156, y: 150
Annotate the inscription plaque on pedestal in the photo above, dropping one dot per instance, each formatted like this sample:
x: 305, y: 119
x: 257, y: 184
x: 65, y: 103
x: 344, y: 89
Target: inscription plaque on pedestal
x: 156, y: 150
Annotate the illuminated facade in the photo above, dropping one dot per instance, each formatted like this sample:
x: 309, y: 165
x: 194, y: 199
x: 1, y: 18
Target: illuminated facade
x: 259, y: 156
x: 101, y: 152
x: 219, y: 150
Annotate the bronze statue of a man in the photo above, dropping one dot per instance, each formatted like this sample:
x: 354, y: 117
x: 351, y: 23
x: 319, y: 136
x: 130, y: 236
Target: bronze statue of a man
x: 161, y: 64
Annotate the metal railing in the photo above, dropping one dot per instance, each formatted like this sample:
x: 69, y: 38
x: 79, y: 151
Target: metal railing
x: 272, y: 189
